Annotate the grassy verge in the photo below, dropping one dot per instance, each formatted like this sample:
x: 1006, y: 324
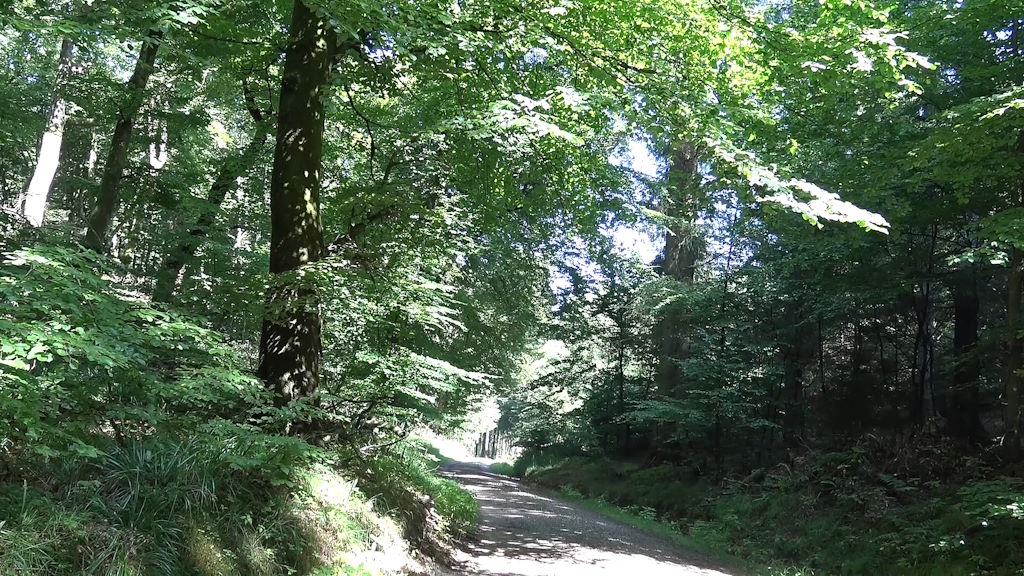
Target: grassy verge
x: 503, y: 468
x: 434, y: 508
x: 164, y: 507
x: 645, y: 520
x: 833, y: 514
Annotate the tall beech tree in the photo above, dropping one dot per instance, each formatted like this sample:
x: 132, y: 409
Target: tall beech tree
x: 682, y: 250
x: 290, y: 341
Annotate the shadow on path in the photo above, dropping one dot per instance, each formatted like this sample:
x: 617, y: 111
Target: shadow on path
x: 527, y: 532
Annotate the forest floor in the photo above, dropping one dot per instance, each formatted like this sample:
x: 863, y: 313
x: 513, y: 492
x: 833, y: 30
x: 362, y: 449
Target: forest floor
x: 525, y: 531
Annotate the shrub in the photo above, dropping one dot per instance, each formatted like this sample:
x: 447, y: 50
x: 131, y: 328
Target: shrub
x: 833, y: 513
x: 80, y: 355
x: 405, y: 481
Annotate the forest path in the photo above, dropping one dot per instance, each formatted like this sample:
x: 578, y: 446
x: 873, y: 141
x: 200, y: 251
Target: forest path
x: 529, y: 532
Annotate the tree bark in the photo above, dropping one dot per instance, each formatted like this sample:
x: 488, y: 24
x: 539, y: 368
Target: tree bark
x: 48, y: 154
x: 964, y: 415
x: 1015, y: 351
x: 679, y: 264
x: 680, y: 259
x: 107, y: 198
x: 290, y: 345
x: 922, y: 404
x: 681, y: 245
x: 227, y: 179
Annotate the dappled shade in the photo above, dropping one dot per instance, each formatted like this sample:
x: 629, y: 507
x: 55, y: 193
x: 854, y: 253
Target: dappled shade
x: 524, y: 532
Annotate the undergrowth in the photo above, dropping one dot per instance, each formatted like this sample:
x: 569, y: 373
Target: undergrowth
x: 166, y: 507
x: 851, y: 512
x: 503, y: 468
x: 135, y: 441
x: 162, y: 507
x: 434, y: 507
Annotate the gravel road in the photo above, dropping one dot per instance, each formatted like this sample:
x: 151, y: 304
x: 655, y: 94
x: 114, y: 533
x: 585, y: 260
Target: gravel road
x: 529, y: 532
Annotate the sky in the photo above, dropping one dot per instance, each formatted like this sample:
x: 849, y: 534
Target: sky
x: 628, y: 239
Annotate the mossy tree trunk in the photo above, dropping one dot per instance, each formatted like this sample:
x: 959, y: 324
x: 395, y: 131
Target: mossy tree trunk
x: 682, y: 248
x: 290, y: 345
x: 680, y: 258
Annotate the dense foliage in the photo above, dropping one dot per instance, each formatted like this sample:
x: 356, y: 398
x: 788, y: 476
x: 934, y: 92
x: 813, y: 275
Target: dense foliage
x: 769, y: 372
x: 249, y: 248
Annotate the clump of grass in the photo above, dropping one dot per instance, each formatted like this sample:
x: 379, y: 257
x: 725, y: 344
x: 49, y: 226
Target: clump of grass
x: 503, y: 468
x: 161, y: 507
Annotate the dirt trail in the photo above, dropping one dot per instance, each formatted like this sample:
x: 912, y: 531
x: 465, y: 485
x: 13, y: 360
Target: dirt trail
x: 528, y: 532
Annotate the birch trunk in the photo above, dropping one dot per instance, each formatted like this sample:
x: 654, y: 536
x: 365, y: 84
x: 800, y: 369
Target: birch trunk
x: 48, y: 155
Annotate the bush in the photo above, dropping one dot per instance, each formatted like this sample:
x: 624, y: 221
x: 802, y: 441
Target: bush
x: 834, y: 513
x: 434, y: 510
x: 534, y: 460
x: 80, y: 355
x: 135, y: 441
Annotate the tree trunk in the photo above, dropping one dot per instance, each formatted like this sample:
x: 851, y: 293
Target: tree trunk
x: 1015, y: 348
x: 681, y: 245
x: 795, y: 351
x: 964, y: 415
x: 290, y: 345
x: 107, y: 198
x: 225, y: 182
x: 924, y: 348
x: 48, y: 155
x: 620, y: 385
x: 680, y: 258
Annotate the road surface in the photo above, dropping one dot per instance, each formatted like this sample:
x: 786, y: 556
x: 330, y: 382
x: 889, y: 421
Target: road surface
x: 529, y: 532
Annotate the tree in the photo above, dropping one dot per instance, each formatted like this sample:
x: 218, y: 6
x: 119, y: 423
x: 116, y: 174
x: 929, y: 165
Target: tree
x: 107, y: 197
x: 48, y: 156
x: 226, y: 180
x: 290, y: 345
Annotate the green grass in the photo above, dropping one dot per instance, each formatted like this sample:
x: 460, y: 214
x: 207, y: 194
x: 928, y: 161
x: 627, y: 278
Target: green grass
x: 833, y: 515
x: 169, y: 508
x: 645, y: 520
x: 403, y: 480
x: 503, y: 468
x: 431, y: 452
